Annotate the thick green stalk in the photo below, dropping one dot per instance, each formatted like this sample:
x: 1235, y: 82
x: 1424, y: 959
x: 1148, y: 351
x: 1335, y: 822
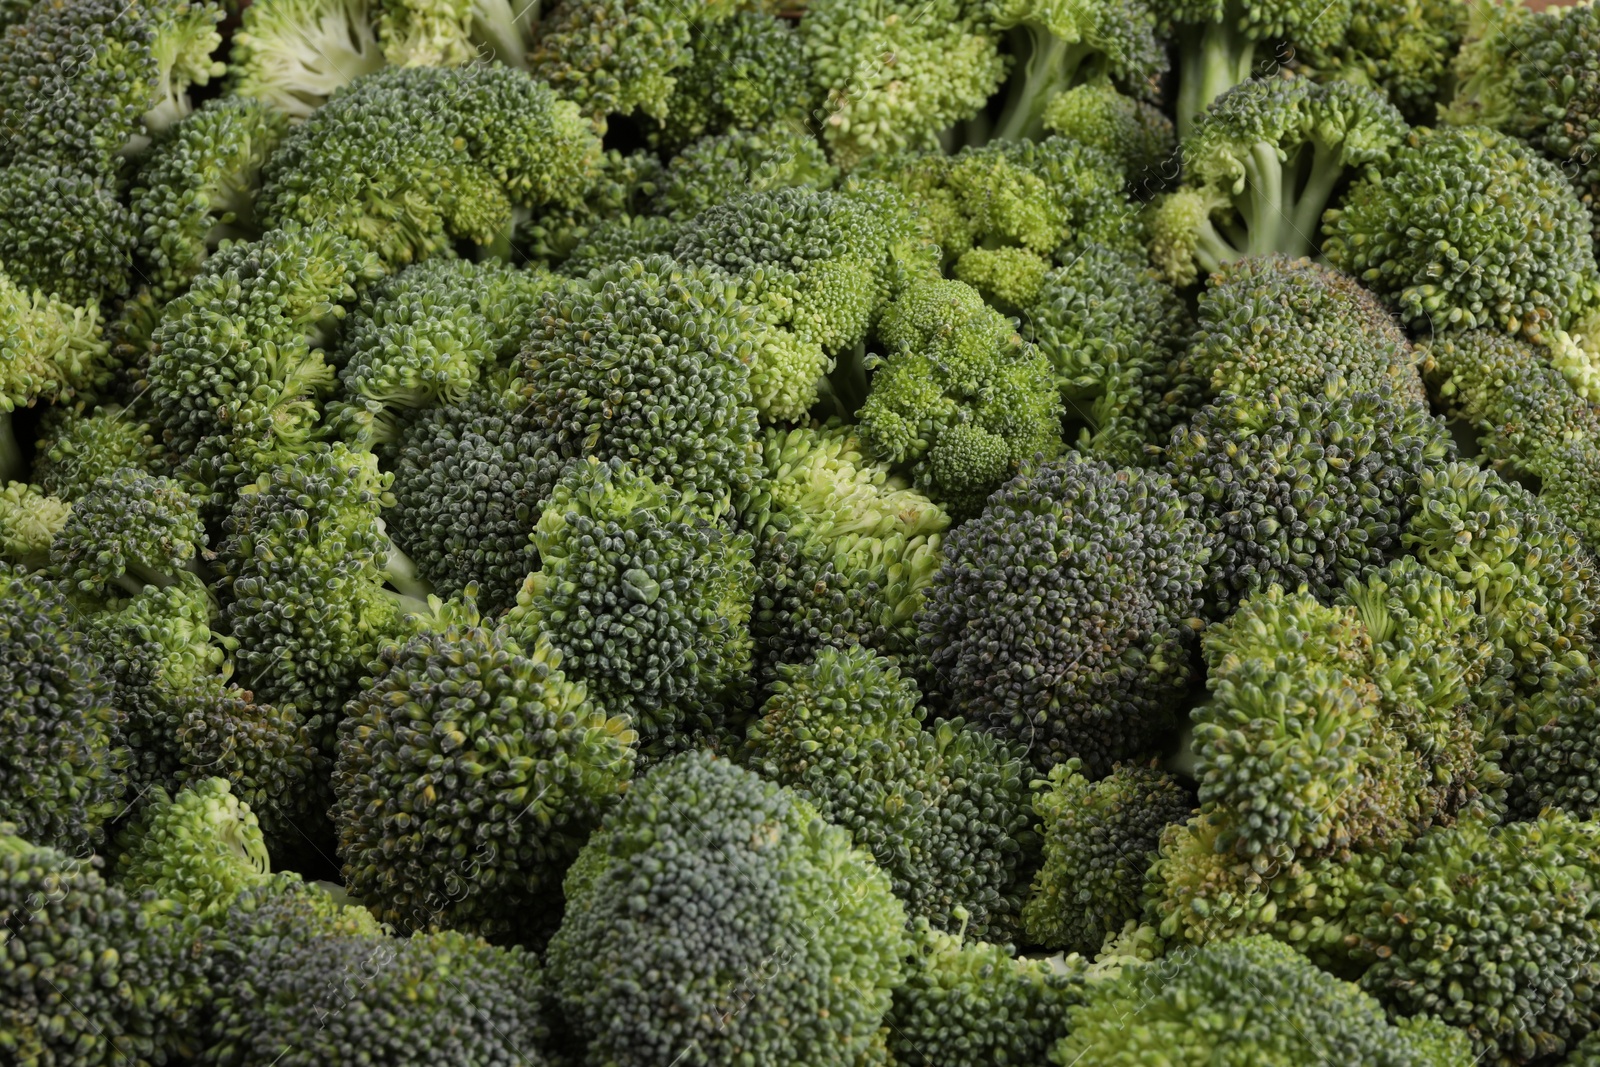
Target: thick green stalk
x: 1051, y: 67
x: 1211, y: 60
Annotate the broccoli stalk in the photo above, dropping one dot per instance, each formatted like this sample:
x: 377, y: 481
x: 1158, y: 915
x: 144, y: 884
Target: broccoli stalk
x: 1212, y: 59
x: 504, y: 29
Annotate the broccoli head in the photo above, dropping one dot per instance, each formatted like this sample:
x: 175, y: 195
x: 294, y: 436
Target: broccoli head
x: 76, y: 447
x: 198, y: 850
x: 1403, y: 47
x: 1132, y: 131
x: 29, y: 522
x: 130, y: 530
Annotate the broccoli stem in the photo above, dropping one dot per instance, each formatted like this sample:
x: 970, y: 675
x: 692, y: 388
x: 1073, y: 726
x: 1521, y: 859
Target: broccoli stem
x: 1050, y: 67
x: 502, y: 28
x: 402, y: 574
x: 1210, y: 62
x: 10, y: 452
x: 1326, y: 170
x: 1263, y: 209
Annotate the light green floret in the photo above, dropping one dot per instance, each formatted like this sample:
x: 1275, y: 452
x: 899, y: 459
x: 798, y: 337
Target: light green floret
x: 29, y: 522
x: 647, y: 603
x: 714, y: 169
x: 75, y: 448
x: 198, y: 850
x: 130, y: 530
x: 1132, y: 131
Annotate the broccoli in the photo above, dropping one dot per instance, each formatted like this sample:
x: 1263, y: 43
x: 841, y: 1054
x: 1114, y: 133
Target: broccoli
x: 1276, y: 324
x: 1117, y: 337
x: 844, y: 550
x: 958, y: 398
x: 130, y: 530
x: 1550, y: 756
x: 1099, y: 839
x: 1262, y: 164
x: 198, y: 850
x: 621, y: 192
x: 1402, y: 47
x: 648, y: 361
x: 1252, y: 1000
x: 29, y: 522
x: 76, y: 446
x: 1058, y: 46
x: 92, y: 976
x: 295, y: 54
x: 408, y: 159
x: 1468, y: 228
x: 722, y: 167
x: 61, y: 766
x: 469, y: 774
x: 973, y: 1004
x: 1063, y: 616
x: 646, y: 602
x: 1132, y: 131
x: 941, y: 809
x: 945, y: 64
x: 1452, y: 912
x: 1302, y: 489
x: 718, y: 915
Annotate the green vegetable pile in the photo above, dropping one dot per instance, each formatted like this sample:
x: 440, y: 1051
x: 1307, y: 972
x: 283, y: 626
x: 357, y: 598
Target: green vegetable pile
x: 799, y: 533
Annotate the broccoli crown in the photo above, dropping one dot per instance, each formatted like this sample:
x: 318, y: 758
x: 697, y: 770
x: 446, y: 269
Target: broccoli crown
x: 1061, y: 616
x: 717, y: 168
x: 65, y: 231
x: 470, y: 483
x: 1531, y: 578
x: 62, y: 775
x: 426, y: 33
x: 265, y: 752
x: 1467, y: 228
x: 1302, y: 490
x: 49, y: 349
x: 681, y: 904
x: 90, y: 976
x: 1116, y: 335
x: 941, y: 810
x: 747, y: 72
x: 75, y: 448
x: 1063, y: 43
x: 233, y: 357
x: 196, y: 187
x: 1550, y: 756
x: 1276, y: 324
x: 465, y: 745
x: 959, y: 397
x: 130, y: 529
x: 1099, y: 839
x: 302, y: 566
x: 1251, y: 1000
x: 409, y: 158
x: 1132, y: 131
x: 946, y: 65
x: 1530, y: 419
x: 438, y: 997
x: 295, y: 54
x: 1453, y: 909
x: 844, y: 550
x: 647, y: 603
x: 974, y: 1004
x: 29, y: 522
x: 1403, y: 47
x: 646, y: 361
x: 622, y: 185
x: 198, y: 849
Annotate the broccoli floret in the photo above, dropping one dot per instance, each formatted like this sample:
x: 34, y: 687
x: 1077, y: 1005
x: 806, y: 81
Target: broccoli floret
x: 1531, y: 577
x: 1063, y: 616
x: 844, y: 550
x: 1252, y: 1000
x: 130, y: 530
x: 91, y: 975
x: 1099, y: 839
x: 49, y: 350
x: 409, y: 158
x: 1217, y: 43
x: 1492, y: 929
x: 974, y: 1004
x: 1467, y: 228
x: 29, y: 522
x: 1117, y: 337
x: 75, y: 448
x: 1263, y: 163
x: 649, y: 362
x: 470, y: 482
x: 647, y: 603
x: 958, y: 398
x: 1132, y: 131
x: 681, y: 906
x: 1302, y: 489
x: 434, y: 997
x: 1403, y: 47
x: 61, y: 770
x: 1277, y: 324
x: 621, y: 190
x: 198, y: 849
x: 748, y: 72
x: 65, y: 231
x: 465, y: 744
x: 295, y: 54
x: 196, y: 188
x: 426, y: 33
x: 941, y: 809
x: 723, y: 167
x: 946, y: 65
x: 1058, y: 46
x: 1530, y: 419
x: 1550, y: 755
